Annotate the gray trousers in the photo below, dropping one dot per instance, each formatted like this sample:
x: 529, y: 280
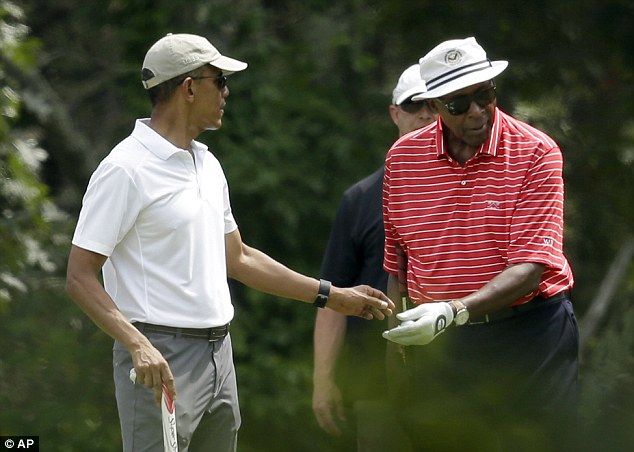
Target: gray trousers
x: 207, y: 410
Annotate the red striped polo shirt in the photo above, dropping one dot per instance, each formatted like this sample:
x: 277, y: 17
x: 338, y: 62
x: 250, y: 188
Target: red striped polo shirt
x: 462, y: 225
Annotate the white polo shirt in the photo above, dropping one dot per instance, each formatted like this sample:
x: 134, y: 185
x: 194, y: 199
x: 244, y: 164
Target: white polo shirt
x: 161, y: 220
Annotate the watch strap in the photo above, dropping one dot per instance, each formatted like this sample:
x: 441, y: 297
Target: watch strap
x: 322, y: 294
x: 461, y: 313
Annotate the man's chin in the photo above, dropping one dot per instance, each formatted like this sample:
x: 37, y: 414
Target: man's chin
x: 214, y: 126
x: 477, y: 137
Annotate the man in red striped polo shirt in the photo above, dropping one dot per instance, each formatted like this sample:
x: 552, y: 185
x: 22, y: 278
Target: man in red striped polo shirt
x: 476, y: 201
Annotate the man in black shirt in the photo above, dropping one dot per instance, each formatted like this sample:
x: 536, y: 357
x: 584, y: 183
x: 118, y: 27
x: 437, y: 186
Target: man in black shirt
x: 344, y: 348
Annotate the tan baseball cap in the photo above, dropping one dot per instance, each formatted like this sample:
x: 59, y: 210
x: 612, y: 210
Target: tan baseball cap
x: 176, y: 54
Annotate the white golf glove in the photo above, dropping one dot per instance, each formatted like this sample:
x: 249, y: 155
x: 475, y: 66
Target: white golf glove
x: 421, y: 324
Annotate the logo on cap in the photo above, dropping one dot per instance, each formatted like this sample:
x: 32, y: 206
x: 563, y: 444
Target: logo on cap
x: 453, y: 57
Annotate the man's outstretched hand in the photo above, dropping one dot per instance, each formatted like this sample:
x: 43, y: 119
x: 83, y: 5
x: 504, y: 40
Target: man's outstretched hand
x: 361, y: 301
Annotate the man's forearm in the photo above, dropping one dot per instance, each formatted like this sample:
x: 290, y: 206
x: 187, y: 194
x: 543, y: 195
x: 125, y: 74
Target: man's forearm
x: 503, y: 290
x: 330, y: 331
x: 97, y: 305
x: 86, y: 291
x: 259, y: 271
x: 513, y: 283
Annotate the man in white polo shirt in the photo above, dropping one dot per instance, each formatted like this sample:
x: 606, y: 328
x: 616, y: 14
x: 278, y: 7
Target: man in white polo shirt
x: 156, y: 220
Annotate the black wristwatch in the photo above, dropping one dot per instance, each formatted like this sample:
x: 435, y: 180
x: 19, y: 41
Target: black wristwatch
x: 322, y: 295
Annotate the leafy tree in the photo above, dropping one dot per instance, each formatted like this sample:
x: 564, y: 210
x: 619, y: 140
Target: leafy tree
x: 308, y: 118
x: 49, y: 385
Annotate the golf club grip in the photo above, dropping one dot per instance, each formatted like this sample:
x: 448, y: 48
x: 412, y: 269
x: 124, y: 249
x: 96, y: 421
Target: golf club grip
x: 168, y: 419
x: 401, y: 263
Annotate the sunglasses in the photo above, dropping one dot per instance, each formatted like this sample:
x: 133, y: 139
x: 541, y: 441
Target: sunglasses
x: 412, y: 106
x: 220, y: 80
x: 460, y: 104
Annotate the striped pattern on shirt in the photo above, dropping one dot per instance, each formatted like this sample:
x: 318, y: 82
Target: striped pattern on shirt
x: 463, y: 225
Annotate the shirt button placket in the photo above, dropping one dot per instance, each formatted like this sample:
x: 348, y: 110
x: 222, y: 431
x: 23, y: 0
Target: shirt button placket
x: 463, y: 180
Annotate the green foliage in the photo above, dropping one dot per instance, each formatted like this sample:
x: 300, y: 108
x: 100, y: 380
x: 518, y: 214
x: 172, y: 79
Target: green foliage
x: 57, y: 379
x: 25, y: 210
x: 48, y: 359
x: 308, y: 118
x: 607, y: 394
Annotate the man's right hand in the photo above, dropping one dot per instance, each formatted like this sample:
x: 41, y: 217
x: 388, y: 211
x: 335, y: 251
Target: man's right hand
x: 152, y: 370
x: 361, y: 301
x: 328, y: 407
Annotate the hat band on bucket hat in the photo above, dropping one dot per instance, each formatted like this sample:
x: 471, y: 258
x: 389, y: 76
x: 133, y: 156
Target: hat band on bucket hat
x: 454, y: 74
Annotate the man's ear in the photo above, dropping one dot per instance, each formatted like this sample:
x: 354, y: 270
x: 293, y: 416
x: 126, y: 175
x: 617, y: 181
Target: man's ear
x: 186, y: 86
x: 393, y: 109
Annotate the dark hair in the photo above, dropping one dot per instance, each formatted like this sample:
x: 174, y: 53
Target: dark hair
x: 164, y: 91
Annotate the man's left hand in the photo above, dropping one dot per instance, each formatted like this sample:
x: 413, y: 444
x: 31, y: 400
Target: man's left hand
x: 421, y: 324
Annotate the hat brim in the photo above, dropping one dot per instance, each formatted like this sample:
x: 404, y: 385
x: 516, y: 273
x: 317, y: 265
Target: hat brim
x: 410, y: 92
x: 473, y: 78
x: 228, y: 65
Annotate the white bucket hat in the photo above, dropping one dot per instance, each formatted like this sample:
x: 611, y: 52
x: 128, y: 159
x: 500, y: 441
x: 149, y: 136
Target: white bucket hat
x: 456, y: 64
x: 176, y: 54
x: 409, y: 83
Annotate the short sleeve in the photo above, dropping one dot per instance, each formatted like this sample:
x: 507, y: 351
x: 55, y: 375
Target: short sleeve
x: 110, y: 207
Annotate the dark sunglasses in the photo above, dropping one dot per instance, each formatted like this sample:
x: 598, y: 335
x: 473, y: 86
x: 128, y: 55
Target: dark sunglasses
x: 412, y: 106
x: 221, y: 80
x: 460, y: 104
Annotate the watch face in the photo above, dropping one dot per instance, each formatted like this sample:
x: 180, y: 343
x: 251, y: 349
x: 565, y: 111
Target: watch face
x: 321, y: 301
x: 461, y: 317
